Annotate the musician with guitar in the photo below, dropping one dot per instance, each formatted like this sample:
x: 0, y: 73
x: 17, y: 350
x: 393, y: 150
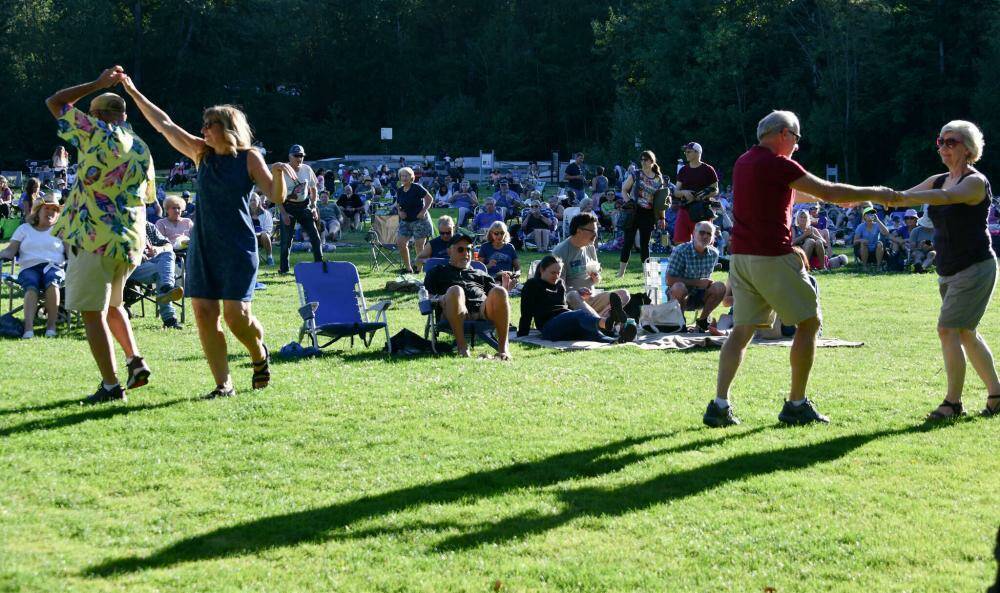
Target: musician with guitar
x: 697, y: 184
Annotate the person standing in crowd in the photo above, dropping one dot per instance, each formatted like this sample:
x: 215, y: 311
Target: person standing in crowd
x: 60, y: 161
x: 298, y: 206
x: 958, y: 204
x: 32, y: 191
x: 599, y: 184
x: 695, y: 181
x: 414, y: 202
x: 574, y: 176
x: 766, y: 275
x: 222, y: 259
x: 117, y: 180
x: 263, y: 227
x: 638, y: 193
x: 6, y: 198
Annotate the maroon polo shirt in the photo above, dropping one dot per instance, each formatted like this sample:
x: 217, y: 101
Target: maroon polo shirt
x: 762, y: 202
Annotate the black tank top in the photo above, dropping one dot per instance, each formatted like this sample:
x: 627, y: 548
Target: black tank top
x: 961, y: 234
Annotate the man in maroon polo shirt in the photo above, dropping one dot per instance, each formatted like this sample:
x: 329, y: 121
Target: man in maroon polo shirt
x: 692, y: 178
x: 766, y: 275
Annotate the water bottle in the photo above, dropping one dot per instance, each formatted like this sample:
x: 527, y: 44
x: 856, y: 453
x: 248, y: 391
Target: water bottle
x: 424, y: 300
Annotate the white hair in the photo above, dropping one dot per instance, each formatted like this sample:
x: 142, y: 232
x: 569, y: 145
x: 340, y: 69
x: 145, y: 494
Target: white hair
x: 446, y: 221
x: 777, y: 121
x: 705, y: 224
x: 972, y: 137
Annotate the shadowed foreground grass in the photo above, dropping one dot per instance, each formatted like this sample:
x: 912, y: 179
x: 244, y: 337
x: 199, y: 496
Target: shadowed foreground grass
x: 586, y: 471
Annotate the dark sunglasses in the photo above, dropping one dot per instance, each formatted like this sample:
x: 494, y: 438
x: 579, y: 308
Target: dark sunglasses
x: 299, y: 156
x: 949, y: 142
x: 462, y: 249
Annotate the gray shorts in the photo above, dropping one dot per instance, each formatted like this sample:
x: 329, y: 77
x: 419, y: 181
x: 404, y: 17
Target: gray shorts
x: 965, y: 295
x: 416, y: 229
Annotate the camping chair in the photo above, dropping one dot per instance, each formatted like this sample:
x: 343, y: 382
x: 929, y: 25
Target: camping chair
x: 436, y: 322
x: 8, y: 279
x: 568, y: 214
x: 382, y: 239
x: 332, y: 304
x: 654, y: 273
x: 141, y: 293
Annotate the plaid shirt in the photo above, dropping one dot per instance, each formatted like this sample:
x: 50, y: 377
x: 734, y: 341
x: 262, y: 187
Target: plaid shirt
x: 685, y: 262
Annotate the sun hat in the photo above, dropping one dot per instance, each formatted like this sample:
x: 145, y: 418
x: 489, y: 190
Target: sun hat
x: 911, y: 213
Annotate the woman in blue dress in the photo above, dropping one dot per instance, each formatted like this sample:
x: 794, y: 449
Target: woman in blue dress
x: 222, y: 257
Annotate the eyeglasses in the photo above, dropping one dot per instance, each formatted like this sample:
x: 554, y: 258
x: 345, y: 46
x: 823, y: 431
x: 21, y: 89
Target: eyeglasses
x: 705, y: 233
x: 589, y: 230
x: 298, y: 156
x: 796, y: 134
x: 462, y: 249
x: 949, y: 142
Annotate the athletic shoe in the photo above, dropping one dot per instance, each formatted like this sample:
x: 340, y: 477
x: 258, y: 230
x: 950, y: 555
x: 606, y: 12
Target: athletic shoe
x: 103, y: 395
x: 628, y: 332
x: 617, y: 314
x: 172, y: 323
x: 170, y: 295
x: 28, y: 334
x: 51, y: 333
x: 805, y: 413
x: 717, y: 417
x: 138, y: 373
x: 701, y: 325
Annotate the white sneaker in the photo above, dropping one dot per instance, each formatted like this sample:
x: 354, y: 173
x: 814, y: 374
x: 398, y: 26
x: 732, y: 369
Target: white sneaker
x: 51, y: 333
x: 28, y: 335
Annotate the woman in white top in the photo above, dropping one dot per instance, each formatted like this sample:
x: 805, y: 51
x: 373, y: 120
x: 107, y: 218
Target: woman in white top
x: 41, y: 257
x: 60, y: 159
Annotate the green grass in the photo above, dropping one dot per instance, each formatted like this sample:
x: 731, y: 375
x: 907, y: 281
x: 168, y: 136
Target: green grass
x: 584, y: 471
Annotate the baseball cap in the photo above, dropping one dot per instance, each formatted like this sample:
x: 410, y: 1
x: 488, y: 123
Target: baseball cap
x: 297, y: 149
x: 868, y: 210
x: 108, y: 102
x: 185, y: 194
x: 692, y: 146
x: 459, y: 236
x: 911, y: 213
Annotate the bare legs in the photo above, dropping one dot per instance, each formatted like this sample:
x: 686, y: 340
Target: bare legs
x: 403, y: 244
x: 51, y: 308
x: 496, y: 309
x: 956, y: 345
x: 801, y: 357
x: 241, y: 322
x: 100, y: 327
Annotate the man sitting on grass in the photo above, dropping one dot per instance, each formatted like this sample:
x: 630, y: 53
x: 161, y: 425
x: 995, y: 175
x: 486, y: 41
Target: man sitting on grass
x: 469, y: 293
x: 689, y: 274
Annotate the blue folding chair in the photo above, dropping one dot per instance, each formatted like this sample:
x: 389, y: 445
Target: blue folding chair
x: 333, y: 304
x: 436, y: 322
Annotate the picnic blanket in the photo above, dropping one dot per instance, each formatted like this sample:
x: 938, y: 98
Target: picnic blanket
x: 675, y: 341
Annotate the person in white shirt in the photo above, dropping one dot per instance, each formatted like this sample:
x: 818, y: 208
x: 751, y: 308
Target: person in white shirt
x: 42, y: 258
x: 263, y: 226
x: 299, y: 207
x: 176, y: 228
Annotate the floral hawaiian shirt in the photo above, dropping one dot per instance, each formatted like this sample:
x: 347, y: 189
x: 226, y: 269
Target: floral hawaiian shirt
x: 104, y: 212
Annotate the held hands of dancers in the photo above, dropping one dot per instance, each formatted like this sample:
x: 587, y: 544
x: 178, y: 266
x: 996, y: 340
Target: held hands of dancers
x: 111, y: 76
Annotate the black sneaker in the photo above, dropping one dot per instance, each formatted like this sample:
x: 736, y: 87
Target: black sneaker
x: 138, y: 373
x: 701, y: 325
x: 628, y: 332
x: 172, y: 323
x: 717, y: 417
x: 617, y: 314
x: 103, y: 395
x: 805, y: 413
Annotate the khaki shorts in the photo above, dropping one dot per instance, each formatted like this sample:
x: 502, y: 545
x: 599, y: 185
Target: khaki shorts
x: 765, y: 285
x: 965, y: 295
x: 95, y: 282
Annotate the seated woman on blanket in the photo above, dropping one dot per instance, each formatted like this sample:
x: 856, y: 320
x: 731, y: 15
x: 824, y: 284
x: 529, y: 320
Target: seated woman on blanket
x: 500, y: 256
x: 543, y: 301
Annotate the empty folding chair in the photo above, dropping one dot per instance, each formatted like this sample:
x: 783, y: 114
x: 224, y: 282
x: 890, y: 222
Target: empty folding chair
x: 333, y: 305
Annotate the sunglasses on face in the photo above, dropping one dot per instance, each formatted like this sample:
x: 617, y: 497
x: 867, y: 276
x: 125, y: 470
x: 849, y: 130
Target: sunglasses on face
x: 949, y: 142
x: 298, y: 156
x: 462, y: 249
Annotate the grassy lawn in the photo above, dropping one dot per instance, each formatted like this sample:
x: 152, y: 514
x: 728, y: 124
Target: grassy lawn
x: 585, y: 471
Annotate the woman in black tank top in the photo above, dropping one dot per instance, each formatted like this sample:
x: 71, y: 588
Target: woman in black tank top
x: 958, y: 203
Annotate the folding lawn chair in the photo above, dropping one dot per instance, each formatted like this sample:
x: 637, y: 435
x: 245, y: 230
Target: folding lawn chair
x: 654, y: 274
x: 332, y: 304
x: 382, y: 239
x: 436, y: 322
x: 8, y: 280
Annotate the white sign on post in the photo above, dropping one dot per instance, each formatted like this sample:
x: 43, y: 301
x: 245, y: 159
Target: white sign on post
x: 386, y: 133
x: 485, y: 160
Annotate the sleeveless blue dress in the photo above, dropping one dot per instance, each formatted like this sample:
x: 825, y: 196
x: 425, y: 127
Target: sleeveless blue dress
x: 222, y: 257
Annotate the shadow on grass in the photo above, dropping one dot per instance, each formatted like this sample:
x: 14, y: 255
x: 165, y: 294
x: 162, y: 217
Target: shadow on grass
x: 63, y: 403
x: 330, y: 522
x: 89, y: 413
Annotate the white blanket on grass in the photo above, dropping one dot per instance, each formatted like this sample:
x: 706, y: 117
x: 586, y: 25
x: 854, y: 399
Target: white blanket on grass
x: 675, y: 341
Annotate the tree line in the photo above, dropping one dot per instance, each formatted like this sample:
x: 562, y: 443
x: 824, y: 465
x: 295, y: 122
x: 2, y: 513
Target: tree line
x: 873, y: 80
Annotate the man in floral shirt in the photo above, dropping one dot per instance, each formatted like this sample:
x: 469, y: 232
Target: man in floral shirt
x: 104, y: 223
